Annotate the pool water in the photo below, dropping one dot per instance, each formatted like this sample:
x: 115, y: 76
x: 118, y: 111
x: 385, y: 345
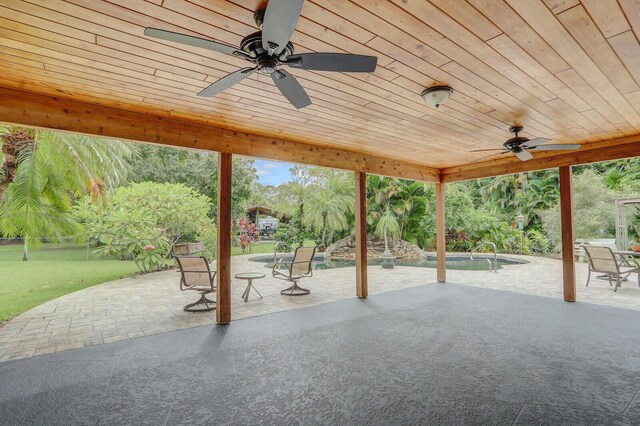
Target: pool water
x: 478, y: 263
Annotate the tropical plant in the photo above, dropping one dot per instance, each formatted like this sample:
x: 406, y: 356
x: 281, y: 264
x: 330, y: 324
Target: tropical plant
x: 146, y: 214
x: 387, y: 226
x: 247, y: 234
x: 541, y: 193
x: 50, y: 172
x: 402, y: 201
x: 16, y: 144
x: 329, y: 207
x: 382, y: 213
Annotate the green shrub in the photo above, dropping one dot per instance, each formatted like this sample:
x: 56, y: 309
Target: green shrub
x: 143, y: 221
x: 537, y: 242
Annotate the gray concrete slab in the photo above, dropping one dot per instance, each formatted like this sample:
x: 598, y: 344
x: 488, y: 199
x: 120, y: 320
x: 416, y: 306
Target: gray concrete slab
x: 445, y: 354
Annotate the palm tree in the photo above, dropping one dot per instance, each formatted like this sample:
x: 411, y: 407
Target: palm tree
x: 50, y: 174
x: 410, y: 205
x: 381, y: 194
x: 541, y: 193
x: 15, y: 144
x: 387, y: 226
x: 328, y: 208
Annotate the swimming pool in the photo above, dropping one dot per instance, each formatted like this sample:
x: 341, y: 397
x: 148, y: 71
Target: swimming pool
x: 479, y: 262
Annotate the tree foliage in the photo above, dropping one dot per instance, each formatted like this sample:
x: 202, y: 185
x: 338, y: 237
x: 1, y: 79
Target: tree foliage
x: 317, y: 203
x: 594, y: 212
x: 143, y: 221
x: 51, y: 173
x: 395, y: 208
x: 197, y: 170
x: 329, y: 207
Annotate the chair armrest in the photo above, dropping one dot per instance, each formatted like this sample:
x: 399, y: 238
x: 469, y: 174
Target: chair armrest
x: 628, y: 261
x: 632, y: 262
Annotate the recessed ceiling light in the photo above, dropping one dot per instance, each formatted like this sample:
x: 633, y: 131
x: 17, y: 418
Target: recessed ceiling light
x: 437, y: 95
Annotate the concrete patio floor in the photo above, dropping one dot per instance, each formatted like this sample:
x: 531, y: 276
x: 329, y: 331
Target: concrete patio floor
x: 438, y: 354
x: 152, y: 304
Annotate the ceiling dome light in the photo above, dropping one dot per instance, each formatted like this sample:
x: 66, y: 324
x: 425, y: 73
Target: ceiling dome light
x: 437, y: 95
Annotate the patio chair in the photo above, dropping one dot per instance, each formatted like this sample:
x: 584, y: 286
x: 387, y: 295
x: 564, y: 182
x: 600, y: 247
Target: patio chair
x: 603, y: 260
x: 294, y: 271
x: 197, y: 276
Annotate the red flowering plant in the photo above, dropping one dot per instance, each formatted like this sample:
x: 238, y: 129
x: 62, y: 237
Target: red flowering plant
x: 247, y: 234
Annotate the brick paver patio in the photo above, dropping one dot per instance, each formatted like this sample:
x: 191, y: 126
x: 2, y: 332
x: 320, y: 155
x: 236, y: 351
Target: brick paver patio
x: 152, y: 303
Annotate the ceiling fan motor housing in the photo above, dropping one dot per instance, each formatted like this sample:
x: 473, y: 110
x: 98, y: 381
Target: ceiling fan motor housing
x: 252, y: 44
x: 514, y: 144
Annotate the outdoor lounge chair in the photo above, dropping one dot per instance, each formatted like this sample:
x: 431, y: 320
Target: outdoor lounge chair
x: 197, y: 276
x: 294, y: 271
x: 603, y: 260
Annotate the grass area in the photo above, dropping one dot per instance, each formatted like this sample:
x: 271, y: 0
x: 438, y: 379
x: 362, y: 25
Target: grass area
x: 53, y: 271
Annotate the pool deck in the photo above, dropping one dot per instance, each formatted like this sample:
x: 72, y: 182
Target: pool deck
x: 152, y: 303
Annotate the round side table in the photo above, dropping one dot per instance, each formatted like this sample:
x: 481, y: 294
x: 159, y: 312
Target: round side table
x: 250, y: 276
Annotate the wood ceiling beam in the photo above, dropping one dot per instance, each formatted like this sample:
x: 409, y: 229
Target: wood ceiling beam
x: 614, y: 149
x: 58, y: 113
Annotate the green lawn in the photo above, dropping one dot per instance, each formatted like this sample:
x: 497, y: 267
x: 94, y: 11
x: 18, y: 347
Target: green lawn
x: 50, y: 272
x: 54, y: 270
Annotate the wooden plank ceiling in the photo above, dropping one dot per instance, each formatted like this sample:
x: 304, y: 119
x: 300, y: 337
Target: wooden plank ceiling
x: 564, y: 69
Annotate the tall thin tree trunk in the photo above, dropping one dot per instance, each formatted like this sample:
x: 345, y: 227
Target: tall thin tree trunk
x: 25, y: 250
x: 324, y: 230
x: 387, y: 252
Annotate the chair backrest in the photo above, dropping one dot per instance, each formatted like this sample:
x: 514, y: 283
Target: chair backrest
x: 601, y: 258
x: 195, y: 271
x: 301, y: 264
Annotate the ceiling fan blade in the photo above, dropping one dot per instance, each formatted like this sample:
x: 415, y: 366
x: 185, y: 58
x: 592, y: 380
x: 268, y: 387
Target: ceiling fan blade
x: 291, y: 89
x: 194, y: 41
x: 225, y: 82
x: 279, y: 22
x: 488, y: 156
x: 482, y: 150
x: 535, y: 142
x: 557, y: 147
x: 340, y: 62
x: 524, y: 155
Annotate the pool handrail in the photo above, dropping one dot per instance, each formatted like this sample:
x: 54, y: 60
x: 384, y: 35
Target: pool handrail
x: 495, y: 254
x: 275, y: 250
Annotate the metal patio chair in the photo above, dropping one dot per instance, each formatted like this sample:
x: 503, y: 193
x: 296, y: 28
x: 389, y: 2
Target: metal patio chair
x: 197, y: 276
x: 294, y: 271
x: 603, y: 260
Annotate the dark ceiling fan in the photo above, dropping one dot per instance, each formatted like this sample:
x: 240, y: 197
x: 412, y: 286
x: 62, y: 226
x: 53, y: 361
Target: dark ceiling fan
x: 520, y: 146
x: 270, y: 48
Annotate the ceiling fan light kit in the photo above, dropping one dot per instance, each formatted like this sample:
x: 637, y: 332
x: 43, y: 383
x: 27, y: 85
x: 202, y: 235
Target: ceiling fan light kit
x: 269, y: 49
x: 437, y: 95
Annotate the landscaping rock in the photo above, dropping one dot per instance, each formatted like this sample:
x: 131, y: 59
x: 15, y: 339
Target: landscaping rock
x: 346, y: 249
